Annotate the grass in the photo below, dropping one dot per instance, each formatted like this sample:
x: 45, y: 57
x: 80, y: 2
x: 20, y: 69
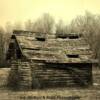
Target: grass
x: 91, y: 93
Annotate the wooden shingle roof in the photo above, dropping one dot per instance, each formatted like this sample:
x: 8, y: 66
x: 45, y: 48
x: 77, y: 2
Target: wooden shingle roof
x: 67, y: 50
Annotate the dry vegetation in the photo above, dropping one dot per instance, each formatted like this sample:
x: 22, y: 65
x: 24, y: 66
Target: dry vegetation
x: 91, y: 93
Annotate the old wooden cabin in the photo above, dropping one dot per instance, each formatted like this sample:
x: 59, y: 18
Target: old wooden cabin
x: 42, y: 60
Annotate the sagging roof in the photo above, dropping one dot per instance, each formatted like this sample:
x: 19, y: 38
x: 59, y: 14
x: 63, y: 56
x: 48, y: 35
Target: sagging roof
x: 68, y: 50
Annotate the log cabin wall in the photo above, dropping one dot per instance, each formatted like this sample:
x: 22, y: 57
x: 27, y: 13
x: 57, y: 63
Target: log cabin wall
x: 55, y: 75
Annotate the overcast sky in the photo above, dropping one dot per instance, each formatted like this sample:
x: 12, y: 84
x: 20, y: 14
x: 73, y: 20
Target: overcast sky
x: 22, y: 10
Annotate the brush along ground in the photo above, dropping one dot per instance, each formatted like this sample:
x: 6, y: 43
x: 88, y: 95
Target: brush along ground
x: 91, y: 93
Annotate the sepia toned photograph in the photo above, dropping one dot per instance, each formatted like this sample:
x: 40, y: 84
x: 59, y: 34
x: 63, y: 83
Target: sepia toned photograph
x: 49, y: 50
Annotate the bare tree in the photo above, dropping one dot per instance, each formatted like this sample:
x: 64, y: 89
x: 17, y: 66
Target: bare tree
x: 89, y: 25
x: 60, y: 27
x: 8, y: 28
x: 2, y: 45
x: 44, y: 24
x: 77, y: 24
x: 18, y: 26
x: 29, y: 25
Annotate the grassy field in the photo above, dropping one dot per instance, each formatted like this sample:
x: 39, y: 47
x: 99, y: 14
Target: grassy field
x: 91, y: 93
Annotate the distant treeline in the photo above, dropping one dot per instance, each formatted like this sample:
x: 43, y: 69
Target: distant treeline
x: 89, y: 25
